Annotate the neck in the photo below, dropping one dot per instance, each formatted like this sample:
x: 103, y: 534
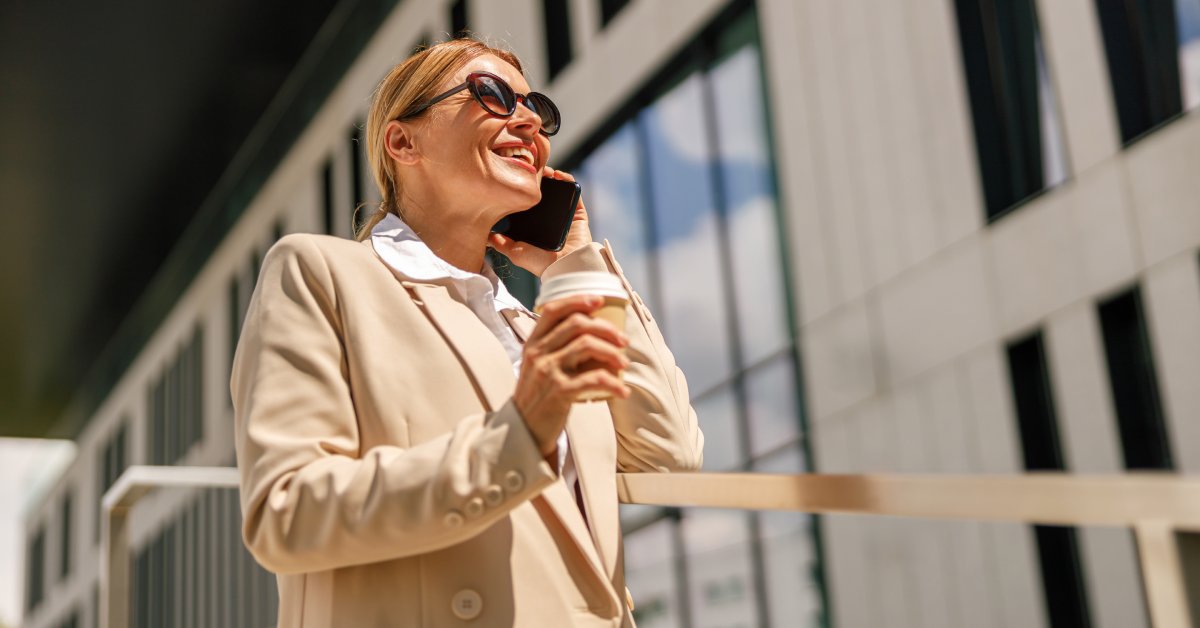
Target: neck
x: 461, y: 243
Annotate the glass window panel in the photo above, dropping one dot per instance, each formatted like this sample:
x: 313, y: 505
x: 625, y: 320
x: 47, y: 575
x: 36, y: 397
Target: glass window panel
x: 613, y: 195
x: 722, y: 440
x: 746, y: 180
x: 1054, y: 152
x: 651, y: 577
x: 634, y: 515
x: 789, y: 555
x: 1187, y: 18
x: 692, y: 293
x: 771, y: 406
x: 719, y: 568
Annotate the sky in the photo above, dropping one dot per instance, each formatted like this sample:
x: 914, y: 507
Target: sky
x: 28, y: 467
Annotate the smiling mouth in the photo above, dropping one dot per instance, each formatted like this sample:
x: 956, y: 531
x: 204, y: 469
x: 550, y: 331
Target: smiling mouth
x: 518, y: 156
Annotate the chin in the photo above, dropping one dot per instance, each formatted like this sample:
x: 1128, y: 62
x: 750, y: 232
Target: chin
x: 520, y: 198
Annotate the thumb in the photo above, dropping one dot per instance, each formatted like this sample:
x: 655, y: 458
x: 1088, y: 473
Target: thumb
x: 501, y: 243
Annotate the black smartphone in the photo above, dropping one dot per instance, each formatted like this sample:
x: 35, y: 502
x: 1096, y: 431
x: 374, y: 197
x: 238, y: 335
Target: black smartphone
x: 546, y: 224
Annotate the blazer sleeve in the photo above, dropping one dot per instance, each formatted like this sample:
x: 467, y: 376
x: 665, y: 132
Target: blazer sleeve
x: 311, y: 498
x: 656, y: 427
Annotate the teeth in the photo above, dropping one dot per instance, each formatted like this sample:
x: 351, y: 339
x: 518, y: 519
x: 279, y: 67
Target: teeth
x: 515, y: 151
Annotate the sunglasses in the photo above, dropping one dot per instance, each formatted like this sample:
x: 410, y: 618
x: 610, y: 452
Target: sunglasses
x: 498, y: 98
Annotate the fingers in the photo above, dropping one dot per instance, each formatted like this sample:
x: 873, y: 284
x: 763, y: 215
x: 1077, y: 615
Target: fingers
x: 555, y: 311
x: 578, y: 324
x: 597, y: 380
x: 561, y: 175
x: 591, y: 351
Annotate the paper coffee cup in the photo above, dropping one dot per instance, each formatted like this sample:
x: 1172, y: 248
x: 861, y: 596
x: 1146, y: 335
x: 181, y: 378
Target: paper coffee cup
x: 597, y: 283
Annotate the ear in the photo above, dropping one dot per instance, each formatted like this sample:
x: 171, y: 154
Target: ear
x: 399, y: 144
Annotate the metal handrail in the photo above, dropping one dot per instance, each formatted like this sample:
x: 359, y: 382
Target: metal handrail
x: 134, y: 484
x: 1155, y: 505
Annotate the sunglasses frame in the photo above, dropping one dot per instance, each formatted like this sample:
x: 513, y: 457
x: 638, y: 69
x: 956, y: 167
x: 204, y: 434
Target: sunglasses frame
x: 471, y: 86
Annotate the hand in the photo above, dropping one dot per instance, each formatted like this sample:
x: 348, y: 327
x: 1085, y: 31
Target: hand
x: 565, y: 338
x: 535, y: 260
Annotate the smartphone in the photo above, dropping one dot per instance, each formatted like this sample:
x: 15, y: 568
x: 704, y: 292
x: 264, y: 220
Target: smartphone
x: 546, y: 224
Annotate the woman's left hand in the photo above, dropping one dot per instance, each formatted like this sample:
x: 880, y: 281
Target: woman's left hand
x: 535, y: 260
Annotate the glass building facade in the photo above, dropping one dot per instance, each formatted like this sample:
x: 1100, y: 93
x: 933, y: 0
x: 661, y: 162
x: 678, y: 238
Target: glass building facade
x: 682, y: 187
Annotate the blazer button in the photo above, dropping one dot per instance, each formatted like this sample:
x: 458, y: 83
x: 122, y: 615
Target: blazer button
x: 474, y: 507
x: 453, y: 519
x: 466, y: 604
x: 514, y: 481
x: 493, y: 495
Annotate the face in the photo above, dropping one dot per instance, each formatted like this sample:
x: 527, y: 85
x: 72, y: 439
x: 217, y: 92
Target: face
x: 465, y: 160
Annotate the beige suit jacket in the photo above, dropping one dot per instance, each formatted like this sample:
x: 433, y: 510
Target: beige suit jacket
x: 387, y: 477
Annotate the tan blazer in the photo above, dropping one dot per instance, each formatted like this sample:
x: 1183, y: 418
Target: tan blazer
x: 386, y: 476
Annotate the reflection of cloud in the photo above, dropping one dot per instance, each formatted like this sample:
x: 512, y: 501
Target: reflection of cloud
x: 772, y: 400
x: 649, y: 546
x: 693, y: 297
x: 1189, y: 71
x: 740, y: 112
x: 705, y: 530
x: 718, y: 421
x: 737, y: 89
x: 677, y: 118
x: 758, y: 277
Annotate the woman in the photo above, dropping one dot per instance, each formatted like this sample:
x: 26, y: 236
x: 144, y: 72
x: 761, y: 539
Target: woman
x: 409, y: 446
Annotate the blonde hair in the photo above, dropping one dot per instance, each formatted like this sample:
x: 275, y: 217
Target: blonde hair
x: 406, y: 86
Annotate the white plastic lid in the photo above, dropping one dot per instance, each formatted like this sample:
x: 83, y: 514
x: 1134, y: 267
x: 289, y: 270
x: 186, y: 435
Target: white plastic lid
x: 586, y: 282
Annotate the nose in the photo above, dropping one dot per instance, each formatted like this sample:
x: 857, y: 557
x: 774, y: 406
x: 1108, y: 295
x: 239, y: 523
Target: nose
x: 525, y: 121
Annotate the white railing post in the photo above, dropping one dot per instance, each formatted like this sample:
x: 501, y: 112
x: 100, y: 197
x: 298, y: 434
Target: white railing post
x: 134, y: 484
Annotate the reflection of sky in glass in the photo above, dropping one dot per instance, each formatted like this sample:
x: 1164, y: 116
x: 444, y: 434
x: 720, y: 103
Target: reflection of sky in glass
x: 721, y: 588
x: 750, y: 201
x: 1054, y: 160
x: 773, y: 416
x: 718, y: 421
x: 650, y: 575
x: 612, y: 194
x: 1187, y: 16
x: 793, y: 596
x: 671, y: 143
x: 692, y: 293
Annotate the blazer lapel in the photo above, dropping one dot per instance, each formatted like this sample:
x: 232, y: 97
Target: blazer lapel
x: 488, y: 364
x: 480, y: 352
x: 521, y: 323
x: 596, y: 464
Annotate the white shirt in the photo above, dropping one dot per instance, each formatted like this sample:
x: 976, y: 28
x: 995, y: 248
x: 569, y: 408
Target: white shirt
x: 402, y: 249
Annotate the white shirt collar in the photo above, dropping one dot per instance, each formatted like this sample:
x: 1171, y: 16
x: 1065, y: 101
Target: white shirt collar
x: 401, y: 248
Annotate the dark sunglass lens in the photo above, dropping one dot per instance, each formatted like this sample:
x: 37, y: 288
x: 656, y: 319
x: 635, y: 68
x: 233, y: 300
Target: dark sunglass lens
x: 545, y: 108
x: 496, y: 96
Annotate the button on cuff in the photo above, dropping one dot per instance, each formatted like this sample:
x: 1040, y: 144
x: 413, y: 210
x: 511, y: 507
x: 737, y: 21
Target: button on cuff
x: 514, y: 481
x: 493, y: 495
